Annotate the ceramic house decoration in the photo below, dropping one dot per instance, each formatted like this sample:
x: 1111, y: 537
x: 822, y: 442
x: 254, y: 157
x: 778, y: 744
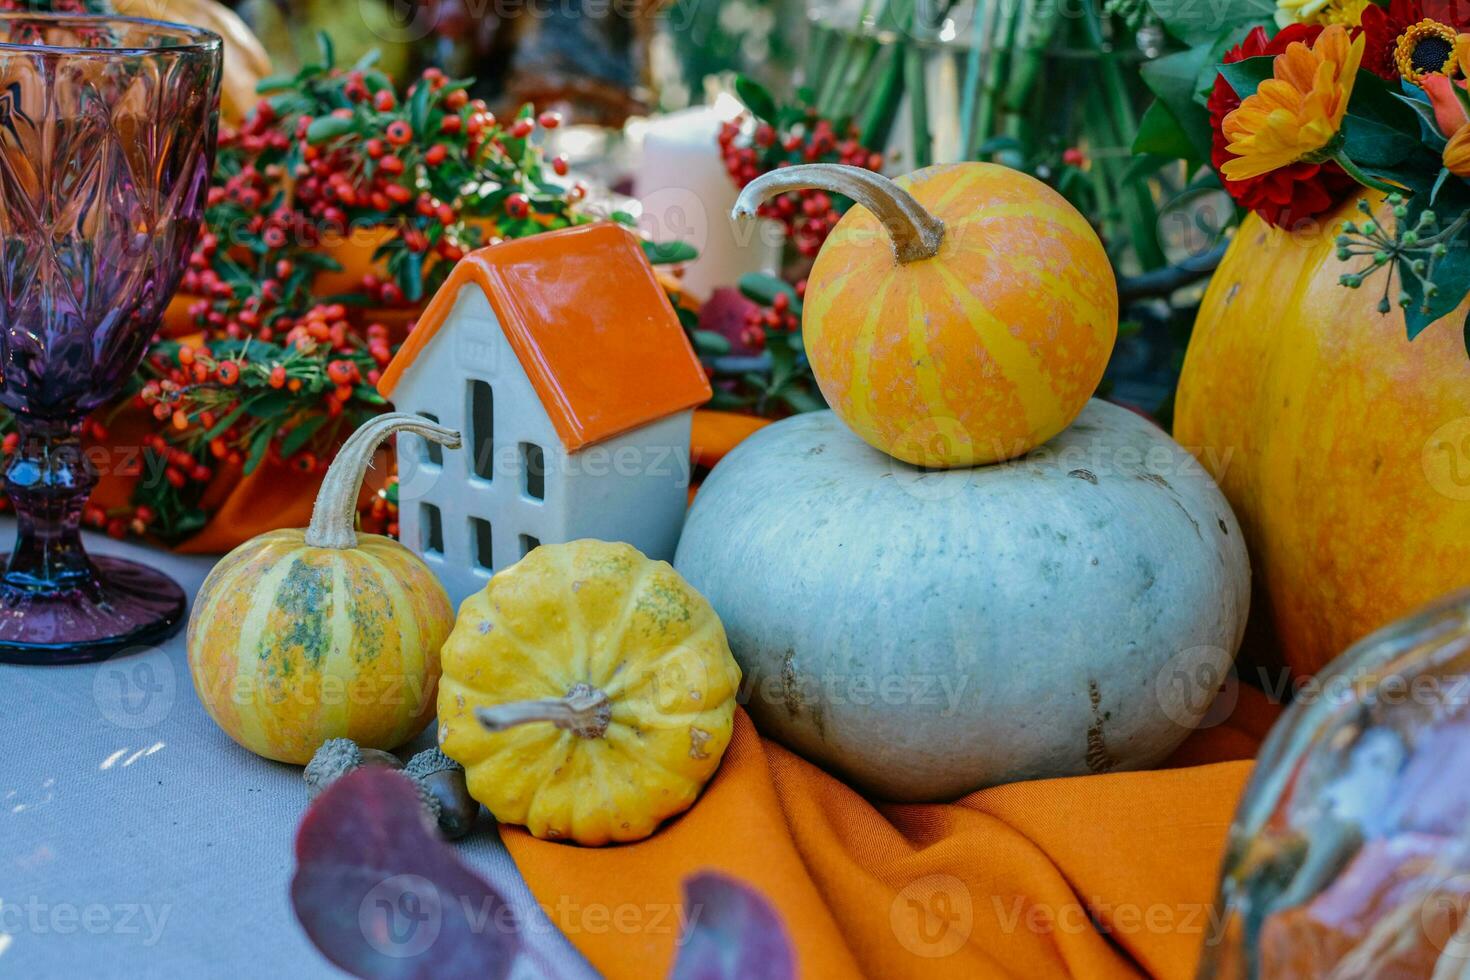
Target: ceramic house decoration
x: 561, y: 360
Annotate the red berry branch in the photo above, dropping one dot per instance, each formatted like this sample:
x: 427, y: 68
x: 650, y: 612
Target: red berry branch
x: 772, y: 136
x: 769, y: 136
x: 270, y: 363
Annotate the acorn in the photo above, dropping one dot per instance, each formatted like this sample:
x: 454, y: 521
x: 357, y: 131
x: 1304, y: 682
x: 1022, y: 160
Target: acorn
x: 443, y: 779
x: 335, y: 758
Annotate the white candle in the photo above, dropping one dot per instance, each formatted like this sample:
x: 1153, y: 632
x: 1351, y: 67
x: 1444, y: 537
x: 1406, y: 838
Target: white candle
x: 686, y: 195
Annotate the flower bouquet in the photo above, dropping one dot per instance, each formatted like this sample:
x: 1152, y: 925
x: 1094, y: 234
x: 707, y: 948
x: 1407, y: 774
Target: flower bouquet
x: 1329, y: 100
x: 1324, y: 384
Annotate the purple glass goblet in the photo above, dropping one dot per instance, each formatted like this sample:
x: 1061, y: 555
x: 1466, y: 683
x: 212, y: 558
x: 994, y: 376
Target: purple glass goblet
x: 107, y: 135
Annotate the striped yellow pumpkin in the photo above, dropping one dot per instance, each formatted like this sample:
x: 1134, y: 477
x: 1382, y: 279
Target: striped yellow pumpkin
x: 298, y: 636
x: 957, y: 316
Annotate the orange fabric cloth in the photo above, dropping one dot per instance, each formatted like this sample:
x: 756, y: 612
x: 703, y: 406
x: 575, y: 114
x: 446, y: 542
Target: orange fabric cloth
x: 1095, y: 877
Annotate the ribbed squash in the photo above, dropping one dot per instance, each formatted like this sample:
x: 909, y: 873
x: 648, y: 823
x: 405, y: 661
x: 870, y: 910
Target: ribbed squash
x: 1342, y: 445
x: 588, y: 691
x: 298, y: 636
x: 960, y: 315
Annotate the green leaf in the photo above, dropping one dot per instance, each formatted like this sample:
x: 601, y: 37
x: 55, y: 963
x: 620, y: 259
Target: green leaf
x: 724, y: 401
x: 709, y: 343
x: 1195, y: 21
x: 1175, y: 80
x: 412, y: 279
x: 258, y: 445
x: 802, y: 400
x: 1429, y: 132
x: 999, y: 144
x: 370, y: 58
x: 756, y: 99
x: 269, y: 405
x: 762, y: 287
x: 300, y: 435
x: 1368, y: 142
x: 329, y: 127
x: 1444, y: 175
x: 1145, y: 165
x: 1452, y: 279
x: 1244, y: 77
x: 329, y: 51
x: 418, y: 109
x: 369, y: 394
x: 278, y: 82
x: 668, y: 253
x: 1381, y: 101
x: 1161, y: 136
x: 218, y: 429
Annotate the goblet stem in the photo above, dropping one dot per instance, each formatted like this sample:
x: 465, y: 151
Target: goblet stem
x: 48, y: 480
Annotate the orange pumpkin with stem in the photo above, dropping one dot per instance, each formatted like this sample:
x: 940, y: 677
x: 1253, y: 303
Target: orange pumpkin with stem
x: 301, y: 635
x: 958, y: 316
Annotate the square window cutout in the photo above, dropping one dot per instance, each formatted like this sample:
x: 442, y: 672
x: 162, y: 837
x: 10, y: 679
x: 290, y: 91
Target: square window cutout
x: 482, y: 430
x: 431, y: 530
x: 533, y: 464
x: 482, y: 540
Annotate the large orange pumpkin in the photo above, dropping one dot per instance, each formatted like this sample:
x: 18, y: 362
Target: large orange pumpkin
x: 957, y: 316
x: 1343, y: 446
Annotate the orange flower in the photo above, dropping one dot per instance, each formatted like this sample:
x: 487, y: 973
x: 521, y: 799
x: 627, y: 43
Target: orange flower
x: 1298, y: 112
x: 1457, y: 152
x: 1449, y: 110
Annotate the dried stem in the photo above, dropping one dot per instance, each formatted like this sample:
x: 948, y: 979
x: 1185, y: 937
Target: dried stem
x: 336, y: 502
x: 585, y: 711
x: 916, y: 233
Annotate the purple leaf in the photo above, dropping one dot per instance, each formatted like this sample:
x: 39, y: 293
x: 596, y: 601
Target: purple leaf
x: 733, y: 933
x: 382, y: 896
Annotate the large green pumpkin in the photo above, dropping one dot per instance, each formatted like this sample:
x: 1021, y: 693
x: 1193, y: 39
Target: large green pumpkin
x: 927, y: 633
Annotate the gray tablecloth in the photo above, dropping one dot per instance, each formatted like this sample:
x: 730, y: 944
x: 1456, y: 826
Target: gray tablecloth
x: 136, y: 839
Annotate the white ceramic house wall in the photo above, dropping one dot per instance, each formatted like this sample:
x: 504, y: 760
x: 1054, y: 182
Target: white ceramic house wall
x: 472, y: 512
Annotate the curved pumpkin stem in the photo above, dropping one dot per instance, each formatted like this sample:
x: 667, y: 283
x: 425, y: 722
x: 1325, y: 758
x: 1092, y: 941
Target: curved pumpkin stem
x: 585, y: 711
x: 335, y: 511
x: 916, y: 233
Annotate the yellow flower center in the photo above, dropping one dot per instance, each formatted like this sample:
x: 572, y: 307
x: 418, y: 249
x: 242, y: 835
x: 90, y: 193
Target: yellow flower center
x: 1427, y: 48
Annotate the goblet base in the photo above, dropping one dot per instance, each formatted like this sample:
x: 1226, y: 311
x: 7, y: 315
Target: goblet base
x: 124, y: 605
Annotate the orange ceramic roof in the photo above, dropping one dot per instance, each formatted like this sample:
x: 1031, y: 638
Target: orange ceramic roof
x: 592, y: 327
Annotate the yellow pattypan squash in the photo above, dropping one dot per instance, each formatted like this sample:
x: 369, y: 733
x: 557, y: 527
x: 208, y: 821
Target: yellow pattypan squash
x: 588, y: 691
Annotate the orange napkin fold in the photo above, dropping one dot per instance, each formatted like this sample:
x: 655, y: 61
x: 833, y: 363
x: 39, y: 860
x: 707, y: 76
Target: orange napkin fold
x: 1097, y: 876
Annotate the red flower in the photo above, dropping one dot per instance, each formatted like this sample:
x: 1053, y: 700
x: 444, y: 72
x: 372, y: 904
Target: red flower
x: 1291, y: 194
x: 1383, y: 25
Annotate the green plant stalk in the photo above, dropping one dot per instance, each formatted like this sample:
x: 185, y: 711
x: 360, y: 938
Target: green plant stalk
x: 1356, y: 173
x: 1040, y: 27
x: 821, y: 38
x: 970, y: 92
x: 1113, y: 128
x: 913, y: 76
x: 999, y: 47
x: 1107, y: 206
x: 850, y: 39
x: 877, y: 120
x: 847, y: 96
